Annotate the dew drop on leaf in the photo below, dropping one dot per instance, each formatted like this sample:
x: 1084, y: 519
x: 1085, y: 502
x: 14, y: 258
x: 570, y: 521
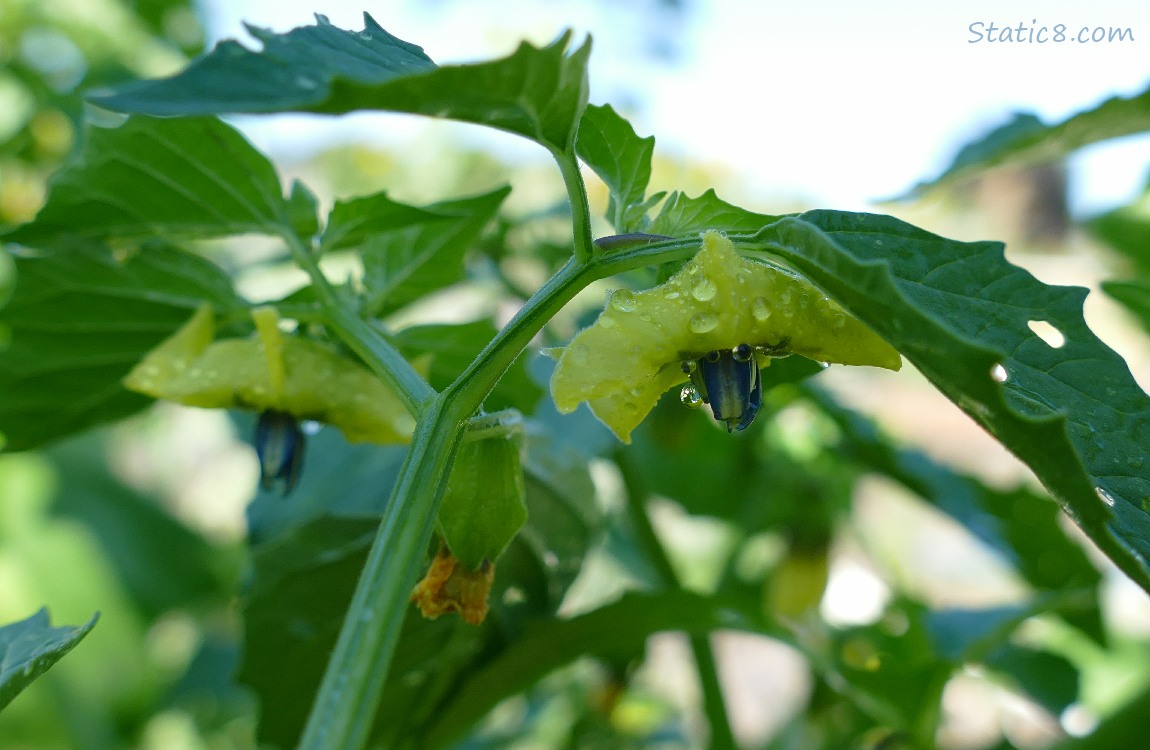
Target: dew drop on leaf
x: 703, y: 322
x: 704, y: 290
x: 606, y: 321
x: 623, y: 300
x: 760, y: 310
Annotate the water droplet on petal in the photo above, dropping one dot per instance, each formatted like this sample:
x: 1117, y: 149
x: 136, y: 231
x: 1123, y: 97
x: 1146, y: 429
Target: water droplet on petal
x: 840, y: 320
x: 1104, y: 496
x: 671, y: 294
x: 785, y: 297
x: 606, y: 321
x: 579, y: 354
x: 760, y: 309
x: 704, y: 290
x: 690, y: 397
x: 630, y: 407
x: 703, y: 322
x: 623, y: 300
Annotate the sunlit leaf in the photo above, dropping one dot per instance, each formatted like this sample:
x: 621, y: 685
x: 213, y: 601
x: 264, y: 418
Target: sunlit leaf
x: 681, y: 216
x: 609, y: 145
x: 79, y: 320
x: 149, y: 177
x: 30, y: 647
x: 535, y: 92
x: 408, y: 251
x: 960, y: 313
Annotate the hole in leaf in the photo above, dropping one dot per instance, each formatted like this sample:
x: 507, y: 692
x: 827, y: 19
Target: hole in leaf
x: 998, y: 373
x: 1048, y: 333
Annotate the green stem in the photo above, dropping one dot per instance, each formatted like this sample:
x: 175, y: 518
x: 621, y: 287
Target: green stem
x: 361, y: 337
x: 580, y: 208
x: 349, y: 694
x: 722, y: 738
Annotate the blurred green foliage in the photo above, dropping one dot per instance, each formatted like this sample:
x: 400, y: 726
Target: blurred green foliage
x: 689, y: 530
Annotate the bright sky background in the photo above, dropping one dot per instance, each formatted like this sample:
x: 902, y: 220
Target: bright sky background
x: 833, y: 102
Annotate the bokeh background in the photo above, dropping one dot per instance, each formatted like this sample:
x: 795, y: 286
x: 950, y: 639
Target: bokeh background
x: 780, y: 107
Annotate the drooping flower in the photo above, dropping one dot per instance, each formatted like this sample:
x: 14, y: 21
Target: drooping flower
x: 280, y: 445
x: 275, y: 372
x: 715, y: 323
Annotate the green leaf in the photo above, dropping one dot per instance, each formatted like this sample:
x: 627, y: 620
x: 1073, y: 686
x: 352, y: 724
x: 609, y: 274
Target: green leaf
x: 1127, y: 230
x: 303, y: 211
x: 293, y: 71
x: 536, y: 92
x: 192, y: 177
x: 621, y: 627
x: 30, y: 647
x: 1018, y: 524
x: 681, y: 216
x: 609, y: 145
x: 960, y: 313
x: 1048, y: 678
x: 1134, y: 296
x: 79, y: 320
x: 408, y: 251
x: 454, y: 346
x: 1025, y: 139
x: 159, y: 561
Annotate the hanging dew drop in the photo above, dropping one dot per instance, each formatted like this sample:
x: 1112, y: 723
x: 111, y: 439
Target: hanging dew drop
x: 760, y: 310
x: 623, y: 300
x: 703, y: 322
x: 690, y: 397
x: 704, y: 290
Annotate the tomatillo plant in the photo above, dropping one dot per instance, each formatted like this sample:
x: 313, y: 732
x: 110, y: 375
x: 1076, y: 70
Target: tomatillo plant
x: 490, y: 505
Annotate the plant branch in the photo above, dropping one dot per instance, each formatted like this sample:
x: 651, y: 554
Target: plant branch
x: 580, y: 208
x: 360, y: 336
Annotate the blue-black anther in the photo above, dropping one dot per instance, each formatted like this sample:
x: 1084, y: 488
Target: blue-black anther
x: 280, y: 446
x: 729, y: 380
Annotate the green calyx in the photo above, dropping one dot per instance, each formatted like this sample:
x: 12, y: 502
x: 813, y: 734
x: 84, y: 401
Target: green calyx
x: 484, y: 505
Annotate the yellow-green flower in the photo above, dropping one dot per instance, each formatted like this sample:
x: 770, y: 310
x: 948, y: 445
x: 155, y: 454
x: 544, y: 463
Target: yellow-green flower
x: 271, y: 372
x: 715, y: 321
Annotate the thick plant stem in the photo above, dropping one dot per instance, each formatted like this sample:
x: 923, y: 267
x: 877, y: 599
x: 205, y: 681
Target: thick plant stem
x: 713, y: 704
x: 349, y: 694
x: 348, y: 697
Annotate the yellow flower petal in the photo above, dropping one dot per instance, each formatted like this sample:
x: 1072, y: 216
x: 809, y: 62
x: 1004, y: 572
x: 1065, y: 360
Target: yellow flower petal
x: 631, y: 355
x: 274, y: 371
